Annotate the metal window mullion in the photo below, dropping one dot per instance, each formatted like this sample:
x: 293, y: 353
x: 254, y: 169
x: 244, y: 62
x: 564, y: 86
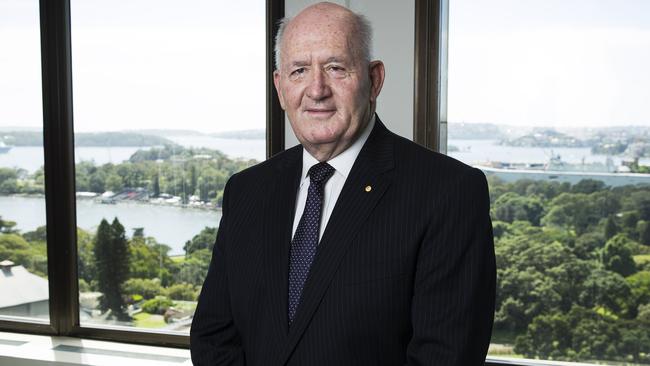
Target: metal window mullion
x: 58, y: 144
x: 274, y: 112
x: 430, y: 73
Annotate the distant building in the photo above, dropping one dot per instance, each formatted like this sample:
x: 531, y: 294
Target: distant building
x: 22, y: 293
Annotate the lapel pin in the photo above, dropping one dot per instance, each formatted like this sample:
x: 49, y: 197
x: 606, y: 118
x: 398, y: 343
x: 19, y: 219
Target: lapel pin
x: 368, y: 188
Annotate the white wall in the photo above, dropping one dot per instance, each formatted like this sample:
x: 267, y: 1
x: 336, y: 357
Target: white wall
x: 394, y: 24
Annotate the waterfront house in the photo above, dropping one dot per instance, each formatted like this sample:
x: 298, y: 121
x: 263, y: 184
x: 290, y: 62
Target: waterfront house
x: 28, y: 292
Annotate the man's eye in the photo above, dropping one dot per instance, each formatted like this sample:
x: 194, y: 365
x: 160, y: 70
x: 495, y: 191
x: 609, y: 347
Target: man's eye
x: 336, y: 71
x: 298, y: 72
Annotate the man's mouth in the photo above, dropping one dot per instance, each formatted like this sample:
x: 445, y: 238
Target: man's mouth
x: 320, y: 112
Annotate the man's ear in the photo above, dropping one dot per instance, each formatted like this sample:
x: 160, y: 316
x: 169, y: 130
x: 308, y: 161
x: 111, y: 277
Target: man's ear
x: 276, y: 82
x: 377, y: 74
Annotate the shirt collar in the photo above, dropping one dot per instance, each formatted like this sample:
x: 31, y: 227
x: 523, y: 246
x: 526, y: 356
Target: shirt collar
x: 343, y: 162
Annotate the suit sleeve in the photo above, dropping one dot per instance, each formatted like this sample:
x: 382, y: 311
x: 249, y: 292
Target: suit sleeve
x: 214, y: 339
x: 454, y: 289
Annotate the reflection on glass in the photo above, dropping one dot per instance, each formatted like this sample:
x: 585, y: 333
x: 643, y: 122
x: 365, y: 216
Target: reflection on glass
x: 23, y: 253
x: 169, y: 103
x: 553, y: 107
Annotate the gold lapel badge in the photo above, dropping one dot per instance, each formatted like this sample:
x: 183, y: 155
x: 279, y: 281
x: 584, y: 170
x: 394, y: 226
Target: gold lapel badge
x: 368, y: 188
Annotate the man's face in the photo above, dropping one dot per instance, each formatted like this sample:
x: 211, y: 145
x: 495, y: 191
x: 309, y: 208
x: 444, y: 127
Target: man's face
x: 323, y: 84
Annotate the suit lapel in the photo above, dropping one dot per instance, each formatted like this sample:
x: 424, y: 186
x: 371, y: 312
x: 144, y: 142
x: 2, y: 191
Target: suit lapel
x: 355, y: 203
x: 278, y: 216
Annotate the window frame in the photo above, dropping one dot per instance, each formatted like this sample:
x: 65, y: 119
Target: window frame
x: 59, y: 167
x: 430, y: 74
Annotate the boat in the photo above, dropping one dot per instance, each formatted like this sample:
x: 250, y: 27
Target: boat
x: 555, y: 169
x: 4, y: 148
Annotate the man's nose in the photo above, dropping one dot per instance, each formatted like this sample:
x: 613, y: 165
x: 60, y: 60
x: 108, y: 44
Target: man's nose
x: 318, y: 87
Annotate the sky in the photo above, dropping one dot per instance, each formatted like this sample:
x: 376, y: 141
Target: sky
x: 154, y: 64
x: 559, y: 63
x: 143, y: 65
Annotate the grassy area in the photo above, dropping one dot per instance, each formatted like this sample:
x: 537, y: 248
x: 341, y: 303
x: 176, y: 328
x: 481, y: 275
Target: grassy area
x: 188, y: 306
x: 642, y: 259
x: 177, y: 258
x: 504, y: 337
x: 151, y: 321
x: 502, y: 344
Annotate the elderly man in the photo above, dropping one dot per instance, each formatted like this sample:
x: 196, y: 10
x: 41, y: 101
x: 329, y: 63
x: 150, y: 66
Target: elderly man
x: 357, y: 247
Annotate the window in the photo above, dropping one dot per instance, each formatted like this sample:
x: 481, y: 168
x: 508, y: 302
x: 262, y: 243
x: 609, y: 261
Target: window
x: 23, y: 252
x: 550, y: 100
x: 169, y: 103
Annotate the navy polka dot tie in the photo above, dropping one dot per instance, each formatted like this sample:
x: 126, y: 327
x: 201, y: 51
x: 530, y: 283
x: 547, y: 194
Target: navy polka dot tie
x: 305, y: 240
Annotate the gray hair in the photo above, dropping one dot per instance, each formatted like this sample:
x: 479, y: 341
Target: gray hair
x: 363, y: 34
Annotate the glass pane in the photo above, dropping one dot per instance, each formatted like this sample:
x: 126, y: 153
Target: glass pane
x: 23, y: 251
x: 550, y: 99
x: 169, y: 102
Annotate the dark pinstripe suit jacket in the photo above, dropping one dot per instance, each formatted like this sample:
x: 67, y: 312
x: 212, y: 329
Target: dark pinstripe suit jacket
x: 404, y: 273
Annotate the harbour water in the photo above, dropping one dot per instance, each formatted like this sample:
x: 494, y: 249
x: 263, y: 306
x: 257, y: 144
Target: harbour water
x: 168, y: 224
x: 31, y: 158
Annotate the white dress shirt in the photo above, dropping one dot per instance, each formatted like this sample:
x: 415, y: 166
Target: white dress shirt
x: 342, y: 164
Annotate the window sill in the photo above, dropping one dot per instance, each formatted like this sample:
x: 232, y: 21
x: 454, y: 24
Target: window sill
x: 24, y: 349
x: 507, y: 361
x: 35, y: 350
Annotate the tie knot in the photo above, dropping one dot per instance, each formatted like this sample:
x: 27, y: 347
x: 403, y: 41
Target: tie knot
x: 320, y: 173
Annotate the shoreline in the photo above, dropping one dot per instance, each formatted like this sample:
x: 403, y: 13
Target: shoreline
x: 121, y: 202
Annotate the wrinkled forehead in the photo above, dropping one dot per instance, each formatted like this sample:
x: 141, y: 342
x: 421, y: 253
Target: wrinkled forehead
x: 326, y: 36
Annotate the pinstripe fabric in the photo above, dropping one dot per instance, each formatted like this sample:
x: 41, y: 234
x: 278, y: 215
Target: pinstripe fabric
x: 404, y: 272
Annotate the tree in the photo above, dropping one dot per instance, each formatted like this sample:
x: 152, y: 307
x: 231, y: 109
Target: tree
x: 182, y: 291
x: 572, y: 211
x: 7, y: 226
x: 149, y: 259
x: 138, y: 232
x: 630, y: 219
x: 40, y: 234
x: 9, y: 186
x: 147, y: 288
x: 640, y: 285
x: 194, y: 268
x: 511, y: 206
x: 86, y: 257
x: 588, y: 186
x: 97, y: 181
x: 588, y: 245
x: 157, y: 305
x: 193, y: 179
x: 112, y: 266
x: 644, y: 233
x: 605, y: 289
x: 7, y: 174
x: 617, y: 256
x: 642, y: 204
x: 156, y: 185
x: 611, y: 228
x: 547, y: 337
x: 114, y: 183
x: 203, y: 240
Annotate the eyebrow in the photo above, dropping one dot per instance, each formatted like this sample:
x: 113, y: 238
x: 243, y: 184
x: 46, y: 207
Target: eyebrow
x: 335, y: 59
x: 302, y: 63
